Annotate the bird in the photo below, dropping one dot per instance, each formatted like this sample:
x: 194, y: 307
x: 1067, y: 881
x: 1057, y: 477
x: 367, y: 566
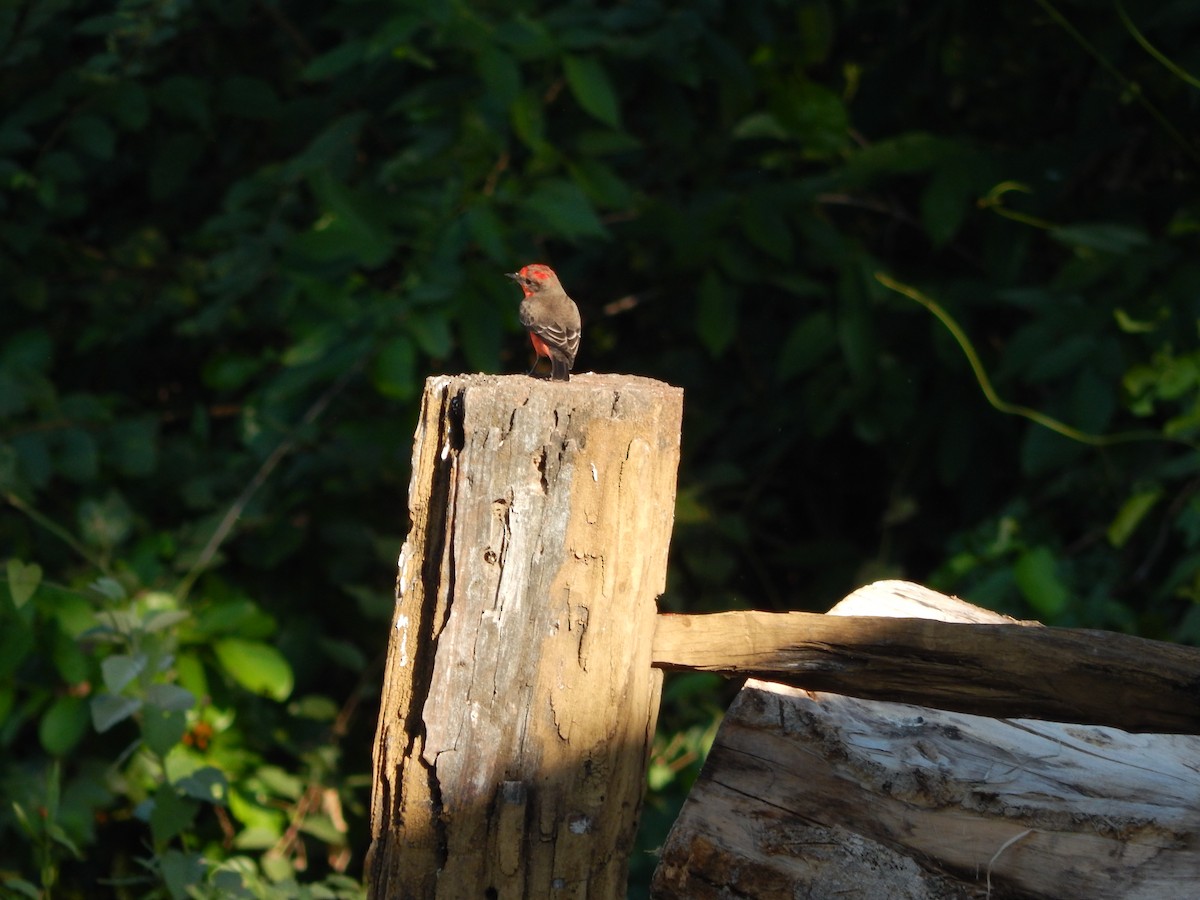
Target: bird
x: 550, y: 317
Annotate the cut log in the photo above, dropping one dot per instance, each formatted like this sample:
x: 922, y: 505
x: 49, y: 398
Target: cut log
x: 818, y: 795
x: 990, y: 667
x: 519, y: 702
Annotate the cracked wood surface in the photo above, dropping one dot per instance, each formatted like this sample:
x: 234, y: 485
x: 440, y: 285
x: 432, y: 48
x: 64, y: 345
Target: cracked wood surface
x: 519, y: 702
x: 819, y: 795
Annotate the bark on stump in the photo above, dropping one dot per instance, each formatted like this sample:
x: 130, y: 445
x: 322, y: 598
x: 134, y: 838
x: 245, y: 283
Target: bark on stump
x: 519, y: 702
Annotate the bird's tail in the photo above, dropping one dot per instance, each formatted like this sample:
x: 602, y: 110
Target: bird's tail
x: 560, y: 369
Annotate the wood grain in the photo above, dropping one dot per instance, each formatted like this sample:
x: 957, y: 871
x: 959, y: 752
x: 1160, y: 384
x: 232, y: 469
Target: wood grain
x: 819, y: 795
x: 990, y: 669
x: 519, y: 702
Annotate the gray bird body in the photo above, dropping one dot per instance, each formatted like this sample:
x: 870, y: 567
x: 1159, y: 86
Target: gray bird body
x: 550, y: 317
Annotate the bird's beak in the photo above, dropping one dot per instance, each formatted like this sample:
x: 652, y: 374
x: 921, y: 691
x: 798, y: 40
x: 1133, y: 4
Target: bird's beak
x: 515, y: 276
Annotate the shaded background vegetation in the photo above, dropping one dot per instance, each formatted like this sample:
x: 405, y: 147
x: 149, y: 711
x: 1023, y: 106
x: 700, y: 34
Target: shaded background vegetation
x: 235, y: 237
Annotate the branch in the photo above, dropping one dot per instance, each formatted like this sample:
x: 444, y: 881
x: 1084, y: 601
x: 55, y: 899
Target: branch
x: 1000, y: 671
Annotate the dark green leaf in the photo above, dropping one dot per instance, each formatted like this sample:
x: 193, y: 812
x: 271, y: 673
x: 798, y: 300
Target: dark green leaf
x: 394, y: 372
x: 162, y: 729
x: 559, y: 208
x: 183, y: 873
x: 593, y: 90
x: 63, y: 725
x: 335, y: 61
x: 109, y: 709
x: 810, y: 343
x: 206, y: 783
x: 716, y: 313
x: 171, y: 814
x: 93, y: 136
x: 121, y: 669
x: 1108, y: 237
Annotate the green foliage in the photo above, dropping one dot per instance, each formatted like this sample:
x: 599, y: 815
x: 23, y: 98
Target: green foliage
x: 234, y: 238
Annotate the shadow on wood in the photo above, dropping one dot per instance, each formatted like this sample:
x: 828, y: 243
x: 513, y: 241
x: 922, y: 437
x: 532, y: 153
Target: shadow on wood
x: 821, y: 795
x: 519, y: 702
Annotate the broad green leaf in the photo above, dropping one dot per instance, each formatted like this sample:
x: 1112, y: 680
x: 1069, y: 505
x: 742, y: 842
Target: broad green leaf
x: 352, y: 221
x: 816, y: 117
x: 129, y: 105
x: 1036, y: 573
x: 63, y: 725
x: 120, y: 669
x: 432, y: 333
x: 528, y: 118
x: 171, y: 814
x: 332, y: 148
x: 249, y: 98
x: 945, y: 202
x: 602, y: 186
x: 189, y: 672
x: 110, y: 709
x: 256, y: 666
x: 183, y: 874
x: 314, y: 706
x: 23, y: 581
x: 590, y: 85
x: 763, y: 223
x: 480, y: 330
x: 93, y: 136
x: 162, y: 729
x: 22, y: 887
x: 394, y: 372
x: 170, y: 697
x: 760, y: 125
x: 500, y: 74
x: 132, y: 446
x: 336, y: 61
x: 322, y: 828
x: 70, y: 660
x: 77, y: 458
x: 16, y: 643
x: 1131, y: 514
x: 174, y: 163
x: 816, y: 30
x: 488, y: 232
x: 809, y: 343
x: 1108, y: 237
x: 162, y: 619
x: 205, y: 783
x: 258, y: 819
x: 558, y: 208
x: 186, y: 98
x: 716, y: 313
x: 898, y: 155
x: 31, y: 350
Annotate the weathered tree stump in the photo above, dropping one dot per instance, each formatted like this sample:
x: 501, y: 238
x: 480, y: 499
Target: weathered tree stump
x: 819, y: 795
x: 519, y: 702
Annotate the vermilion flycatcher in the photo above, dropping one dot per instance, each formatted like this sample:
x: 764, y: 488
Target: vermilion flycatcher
x: 551, y: 318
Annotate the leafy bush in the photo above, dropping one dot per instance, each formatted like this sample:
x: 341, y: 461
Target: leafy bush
x: 234, y: 237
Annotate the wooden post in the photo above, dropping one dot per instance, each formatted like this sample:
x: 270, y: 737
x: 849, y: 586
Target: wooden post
x: 519, y: 702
